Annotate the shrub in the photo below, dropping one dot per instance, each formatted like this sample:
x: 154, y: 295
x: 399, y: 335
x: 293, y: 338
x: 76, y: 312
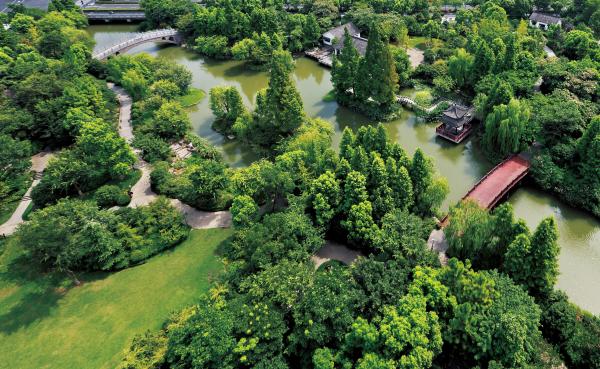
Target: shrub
x: 153, y: 148
x: 111, y: 195
x: 574, y: 331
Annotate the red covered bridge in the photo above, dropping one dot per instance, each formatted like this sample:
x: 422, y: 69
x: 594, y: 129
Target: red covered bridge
x: 497, y: 183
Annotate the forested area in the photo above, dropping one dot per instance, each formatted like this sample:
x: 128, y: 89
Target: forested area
x: 54, y: 97
x: 492, y: 304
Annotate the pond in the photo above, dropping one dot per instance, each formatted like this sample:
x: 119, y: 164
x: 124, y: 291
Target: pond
x: 462, y: 164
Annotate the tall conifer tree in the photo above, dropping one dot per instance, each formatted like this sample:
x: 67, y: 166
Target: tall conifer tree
x: 378, y: 79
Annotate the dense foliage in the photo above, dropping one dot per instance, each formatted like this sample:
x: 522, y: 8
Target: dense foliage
x: 75, y: 235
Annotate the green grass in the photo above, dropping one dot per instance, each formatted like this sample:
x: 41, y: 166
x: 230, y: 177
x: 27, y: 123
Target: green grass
x: 329, y: 97
x: 194, y: 97
x: 420, y: 42
x: 47, y: 323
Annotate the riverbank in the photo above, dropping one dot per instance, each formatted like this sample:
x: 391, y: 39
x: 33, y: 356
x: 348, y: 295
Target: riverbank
x: 462, y: 164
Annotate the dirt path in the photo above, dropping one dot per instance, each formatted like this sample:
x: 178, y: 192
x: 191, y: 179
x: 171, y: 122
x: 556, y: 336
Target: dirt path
x: 38, y: 164
x: 142, y: 193
x: 335, y: 251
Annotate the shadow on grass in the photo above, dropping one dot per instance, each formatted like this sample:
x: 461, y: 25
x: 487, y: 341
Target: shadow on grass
x: 42, y: 291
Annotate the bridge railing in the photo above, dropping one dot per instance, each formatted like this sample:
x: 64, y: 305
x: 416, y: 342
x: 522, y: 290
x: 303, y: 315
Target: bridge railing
x: 142, y: 37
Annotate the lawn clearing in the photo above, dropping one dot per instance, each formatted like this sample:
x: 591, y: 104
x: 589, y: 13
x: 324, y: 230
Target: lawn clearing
x: 420, y: 43
x: 194, y: 96
x: 46, y: 323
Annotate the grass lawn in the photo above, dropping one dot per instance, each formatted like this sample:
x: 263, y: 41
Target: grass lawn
x: 420, y: 43
x: 46, y: 323
x: 192, y: 98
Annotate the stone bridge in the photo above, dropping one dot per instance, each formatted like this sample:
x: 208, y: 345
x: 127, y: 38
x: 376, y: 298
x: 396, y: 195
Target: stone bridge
x: 170, y: 36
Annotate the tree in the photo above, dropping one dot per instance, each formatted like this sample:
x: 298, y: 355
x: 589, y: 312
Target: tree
x: 378, y: 78
x: 544, y: 256
x: 15, y: 158
x: 311, y: 30
x: 161, y: 13
x: 579, y: 44
x: 61, y: 5
x: 102, y: 149
x: 135, y: 84
x: 505, y: 128
x: 324, y: 312
x: 361, y: 227
x: 344, y: 70
x: 279, y: 110
x: 171, y: 121
x: 501, y: 93
x: 406, y: 336
x: 226, y: 104
x: 165, y: 89
x: 244, y: 211
x: 429, y: 192
x: 325, y: 193
x: 213, y: 46
x: 77, y: 58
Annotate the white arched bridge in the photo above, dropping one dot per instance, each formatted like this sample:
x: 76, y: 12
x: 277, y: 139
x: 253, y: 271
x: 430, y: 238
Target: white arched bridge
x: 170, y: 36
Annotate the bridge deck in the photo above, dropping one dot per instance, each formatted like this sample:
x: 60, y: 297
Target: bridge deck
x: 494, y: 185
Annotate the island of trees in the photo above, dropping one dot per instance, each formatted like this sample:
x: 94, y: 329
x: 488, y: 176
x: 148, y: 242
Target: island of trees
x: 493, y: 304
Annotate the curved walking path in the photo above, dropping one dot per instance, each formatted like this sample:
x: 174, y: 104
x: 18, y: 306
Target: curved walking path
x: 38, y: 164
x: 142, y: 193
x: 334, y: 251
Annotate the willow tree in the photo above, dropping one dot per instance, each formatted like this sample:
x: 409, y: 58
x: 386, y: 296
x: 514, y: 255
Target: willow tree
x: 505, y: 128
x: 460, y: 67
x: 377, y: 78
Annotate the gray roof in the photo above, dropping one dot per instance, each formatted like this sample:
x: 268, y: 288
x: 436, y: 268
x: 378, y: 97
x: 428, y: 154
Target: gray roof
x: 359, y: 43
x: 544, y: 18
x: 338, y: 32
x: 457, y: 115
x: 456, y: 111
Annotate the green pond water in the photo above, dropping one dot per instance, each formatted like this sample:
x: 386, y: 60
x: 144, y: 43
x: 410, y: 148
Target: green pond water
x: 462, y: 164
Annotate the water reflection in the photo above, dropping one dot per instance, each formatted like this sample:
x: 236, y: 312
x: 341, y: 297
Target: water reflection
x: 462, y: 164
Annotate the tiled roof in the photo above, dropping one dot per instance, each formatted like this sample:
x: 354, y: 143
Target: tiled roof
x: 544, y: 18
x: 359, y: 43
x: 338, y: 32
x: 457, y: 112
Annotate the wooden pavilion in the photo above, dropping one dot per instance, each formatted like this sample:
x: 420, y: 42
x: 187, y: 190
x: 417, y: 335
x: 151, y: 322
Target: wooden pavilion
x: 456, y: 123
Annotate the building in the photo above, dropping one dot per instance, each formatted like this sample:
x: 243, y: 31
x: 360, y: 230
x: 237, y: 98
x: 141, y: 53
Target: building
x: 456, y: 123
x: 333, y: 43
x: 335, y: 36
x: 543, y: 21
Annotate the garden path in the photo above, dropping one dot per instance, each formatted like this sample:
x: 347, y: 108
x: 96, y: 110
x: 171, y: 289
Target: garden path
x: 335, y: 251
x: 38, y: 164
x: 142, y: 193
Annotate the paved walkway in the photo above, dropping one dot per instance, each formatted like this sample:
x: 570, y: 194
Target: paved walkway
x: 142, y: 193
x: 437, y: 243
x: 416, y: 56
x: 334, y: 251
x: 38, y: 164
x: 549, y: 52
